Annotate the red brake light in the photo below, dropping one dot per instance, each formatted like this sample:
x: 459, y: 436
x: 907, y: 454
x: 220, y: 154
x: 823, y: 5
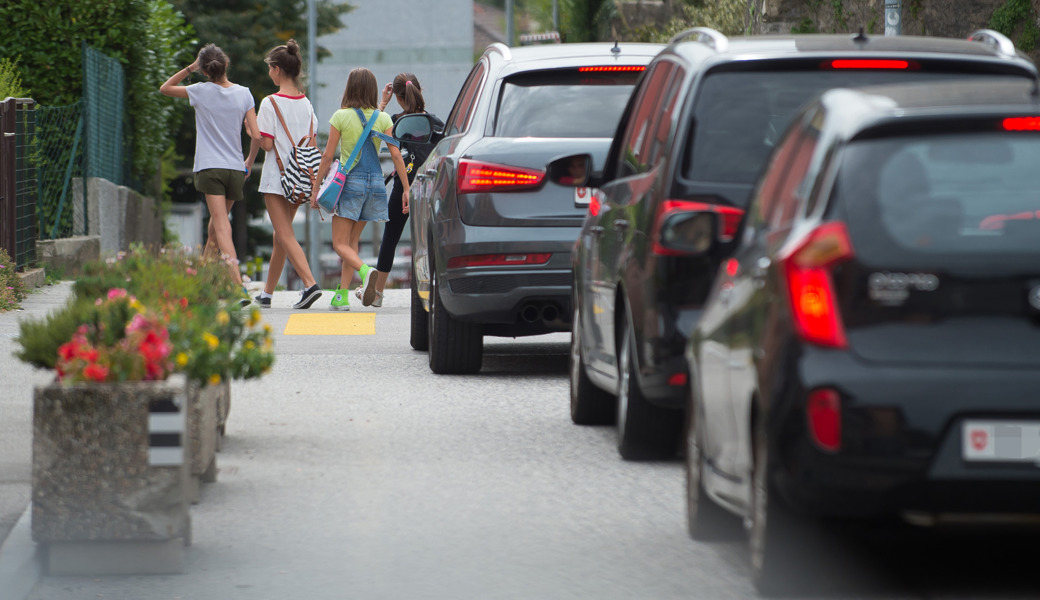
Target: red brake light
x: 477, y: 176
x: 729, y: 218
x: 498, y: 260
x: 677, y: 379
x: 811, y: 288
x: 869, y: 64
x: 1021, y: 124
x: 594, y: 204
x: 823, y: 410
x: 612, y: 69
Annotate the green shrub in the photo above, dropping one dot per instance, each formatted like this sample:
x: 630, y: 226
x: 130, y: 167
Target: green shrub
x: 10, y: 81
x: 12, y: 290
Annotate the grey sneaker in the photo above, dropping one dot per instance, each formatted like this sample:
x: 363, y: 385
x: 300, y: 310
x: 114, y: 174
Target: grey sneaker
x: 368, y: 284
x: 376, y: 303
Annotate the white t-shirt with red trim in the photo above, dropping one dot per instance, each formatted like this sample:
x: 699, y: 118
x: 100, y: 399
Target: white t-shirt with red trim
x: 299, y: 117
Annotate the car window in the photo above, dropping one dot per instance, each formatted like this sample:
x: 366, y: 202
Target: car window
x: 740, y: 116
x: 458, y: 120
x: 566, y: 103
x: 639, y: 134
x: 953, y: 195
x: 769, y: 189
x: 657, y: 152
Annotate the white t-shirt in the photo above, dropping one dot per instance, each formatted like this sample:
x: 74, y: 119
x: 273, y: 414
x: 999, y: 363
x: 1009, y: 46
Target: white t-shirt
x: 219, y: 113
x: 299, y: 118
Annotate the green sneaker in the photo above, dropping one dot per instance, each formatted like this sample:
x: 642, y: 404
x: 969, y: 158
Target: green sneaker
x: 340, y: 300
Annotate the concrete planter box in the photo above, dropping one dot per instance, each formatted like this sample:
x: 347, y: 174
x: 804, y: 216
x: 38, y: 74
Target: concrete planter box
x: 110, y: 477
x: 204, y: 428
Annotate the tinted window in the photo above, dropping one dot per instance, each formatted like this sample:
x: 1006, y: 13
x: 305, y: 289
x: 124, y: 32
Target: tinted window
x: 563, y: 103
x: 458, y: 120
x: 740, y: 116
x: 639, y: 137
x: 966, y: 194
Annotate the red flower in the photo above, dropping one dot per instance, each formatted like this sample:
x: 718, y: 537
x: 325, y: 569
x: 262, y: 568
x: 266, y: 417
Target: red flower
x: 96, y: 372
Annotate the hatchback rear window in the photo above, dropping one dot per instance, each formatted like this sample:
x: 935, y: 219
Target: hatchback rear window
x: 740, y: 116
x: 563, y: 103
x: 969, y: 195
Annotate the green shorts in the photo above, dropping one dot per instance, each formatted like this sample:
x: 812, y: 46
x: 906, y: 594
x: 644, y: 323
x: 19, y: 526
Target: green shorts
x: 221, y: 182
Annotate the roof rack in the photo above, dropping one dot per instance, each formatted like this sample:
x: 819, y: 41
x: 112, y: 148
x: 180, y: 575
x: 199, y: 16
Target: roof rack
x: 704, y: 35
x: 501, y: 49
x: 996, y: 40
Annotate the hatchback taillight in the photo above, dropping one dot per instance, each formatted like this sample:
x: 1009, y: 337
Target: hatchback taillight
x: 729, y: 219
x: 476, y: 176
x: 810, y: 285
x: 823, y: 410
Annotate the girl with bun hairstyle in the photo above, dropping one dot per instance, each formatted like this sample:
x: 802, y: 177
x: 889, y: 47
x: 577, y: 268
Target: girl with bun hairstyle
x: 406, y: 89
x: 295, y: 111
x: 221, y: 108
x: 363, y: 197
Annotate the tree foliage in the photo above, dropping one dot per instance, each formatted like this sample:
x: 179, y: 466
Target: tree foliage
x: 146, y: 36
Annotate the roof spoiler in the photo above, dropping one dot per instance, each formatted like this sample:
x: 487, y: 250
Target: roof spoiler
x: 705, y: 35
x: 996, y: 40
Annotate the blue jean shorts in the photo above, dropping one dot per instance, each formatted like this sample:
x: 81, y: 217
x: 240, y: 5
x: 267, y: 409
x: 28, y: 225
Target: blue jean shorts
x: 363, y: 198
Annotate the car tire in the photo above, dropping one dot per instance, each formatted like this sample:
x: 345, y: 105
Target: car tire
x: 779, y: 543
x: 590, y: 405
x: 644, y: 431
x: 419, y: 337
x: 705, y: 520
x: 456, y: 347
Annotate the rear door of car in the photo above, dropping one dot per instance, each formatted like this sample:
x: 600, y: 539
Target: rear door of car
x: 946, y: 235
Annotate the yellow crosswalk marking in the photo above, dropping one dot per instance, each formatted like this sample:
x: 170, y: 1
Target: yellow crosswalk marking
x: 331, y: 324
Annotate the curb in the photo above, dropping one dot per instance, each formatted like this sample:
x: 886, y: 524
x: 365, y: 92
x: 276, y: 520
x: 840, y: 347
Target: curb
x: 20, y: 564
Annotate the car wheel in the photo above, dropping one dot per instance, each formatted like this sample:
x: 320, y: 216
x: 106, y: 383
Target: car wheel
x: 704, y: 519
x: 777, y: 565
x: 644, y: 431
x: 590, y: 405
x: 420, y: 335
x: 456, y: 347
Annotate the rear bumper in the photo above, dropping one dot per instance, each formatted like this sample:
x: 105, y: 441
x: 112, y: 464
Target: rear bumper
x: 902, y: 431
x: 521, y: 300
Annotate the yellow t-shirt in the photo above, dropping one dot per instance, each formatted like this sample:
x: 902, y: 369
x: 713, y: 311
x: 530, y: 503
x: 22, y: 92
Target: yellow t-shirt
x: 350, y: 128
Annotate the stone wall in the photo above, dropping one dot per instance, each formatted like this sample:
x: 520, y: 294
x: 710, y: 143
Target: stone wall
x: 118, y: 215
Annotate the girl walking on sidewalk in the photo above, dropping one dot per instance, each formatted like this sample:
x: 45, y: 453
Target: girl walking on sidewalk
x: 285, y: 118
x: 363, y: 197
x: 221, y: 109
x: 408, y: 93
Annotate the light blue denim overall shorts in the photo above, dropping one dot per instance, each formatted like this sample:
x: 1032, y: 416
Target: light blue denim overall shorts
x: 364, y: 193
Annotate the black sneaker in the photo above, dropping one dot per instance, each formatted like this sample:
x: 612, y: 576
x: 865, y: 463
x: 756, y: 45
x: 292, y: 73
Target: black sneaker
x: 308, y: 296
x: 263, y: 302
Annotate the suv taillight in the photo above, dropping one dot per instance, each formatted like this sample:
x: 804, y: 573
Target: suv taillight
x: 811, y: 287
x: 476, y: 176
x: 729, y: 219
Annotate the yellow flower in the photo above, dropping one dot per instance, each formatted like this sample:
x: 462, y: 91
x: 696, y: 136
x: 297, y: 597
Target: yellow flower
x: 254, y: 317
x: 214, y: 379
x: 267, y: 343
x: 223, y: 318
x: 211, y: 340
x: 182, y: 359
x: 267, y: 329
x: 249, y: 345
x: 136, y: 304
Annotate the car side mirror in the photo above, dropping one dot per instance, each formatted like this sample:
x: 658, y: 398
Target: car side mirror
x: 690, y: 233
x: 416, y: 128
x: 573, y: 171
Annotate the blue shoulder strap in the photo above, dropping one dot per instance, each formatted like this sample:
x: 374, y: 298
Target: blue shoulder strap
x: 361, y: 140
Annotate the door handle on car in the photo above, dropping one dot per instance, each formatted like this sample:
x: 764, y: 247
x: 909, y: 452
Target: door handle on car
x: 431, y: 172
x: 621, y: 224
x: 596, y: 229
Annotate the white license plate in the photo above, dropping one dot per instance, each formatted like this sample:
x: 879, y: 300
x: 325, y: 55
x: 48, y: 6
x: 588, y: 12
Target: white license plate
x: 1001, y: 441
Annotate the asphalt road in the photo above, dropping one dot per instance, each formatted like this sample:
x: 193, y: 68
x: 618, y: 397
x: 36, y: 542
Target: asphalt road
x: 351, y: 471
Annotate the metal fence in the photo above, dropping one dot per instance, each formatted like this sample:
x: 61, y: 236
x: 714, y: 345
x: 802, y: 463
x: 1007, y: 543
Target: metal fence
x: 59, y: 160
x: 17, y: 180
x: 103, y: 98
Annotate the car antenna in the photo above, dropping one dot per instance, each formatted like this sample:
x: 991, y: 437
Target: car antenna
x: 615, y: 49
x: 861, y: 37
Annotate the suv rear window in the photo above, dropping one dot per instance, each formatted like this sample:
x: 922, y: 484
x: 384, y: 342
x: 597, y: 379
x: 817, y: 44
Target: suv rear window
x: 740, y: 116
x: 563, y: 103
x: 930, y: 197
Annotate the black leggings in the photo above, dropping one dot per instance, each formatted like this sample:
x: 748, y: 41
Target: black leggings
x: 392, y: 231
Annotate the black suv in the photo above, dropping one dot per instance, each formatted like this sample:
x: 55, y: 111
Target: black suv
x: 872, y: 346
x: 491, y: 235
x: 693, y: 138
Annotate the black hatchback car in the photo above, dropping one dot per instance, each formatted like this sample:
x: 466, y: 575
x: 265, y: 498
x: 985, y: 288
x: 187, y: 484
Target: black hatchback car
x: 694, y: 136
x: 872, y: 346
x: 491, y: 235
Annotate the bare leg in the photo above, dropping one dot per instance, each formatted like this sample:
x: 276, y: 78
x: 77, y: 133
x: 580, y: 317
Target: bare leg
x: 285, y: 244
x: 220, y: 232
x: 344, y: 242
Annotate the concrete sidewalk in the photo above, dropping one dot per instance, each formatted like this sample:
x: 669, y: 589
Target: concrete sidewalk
x: 18, y: 567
